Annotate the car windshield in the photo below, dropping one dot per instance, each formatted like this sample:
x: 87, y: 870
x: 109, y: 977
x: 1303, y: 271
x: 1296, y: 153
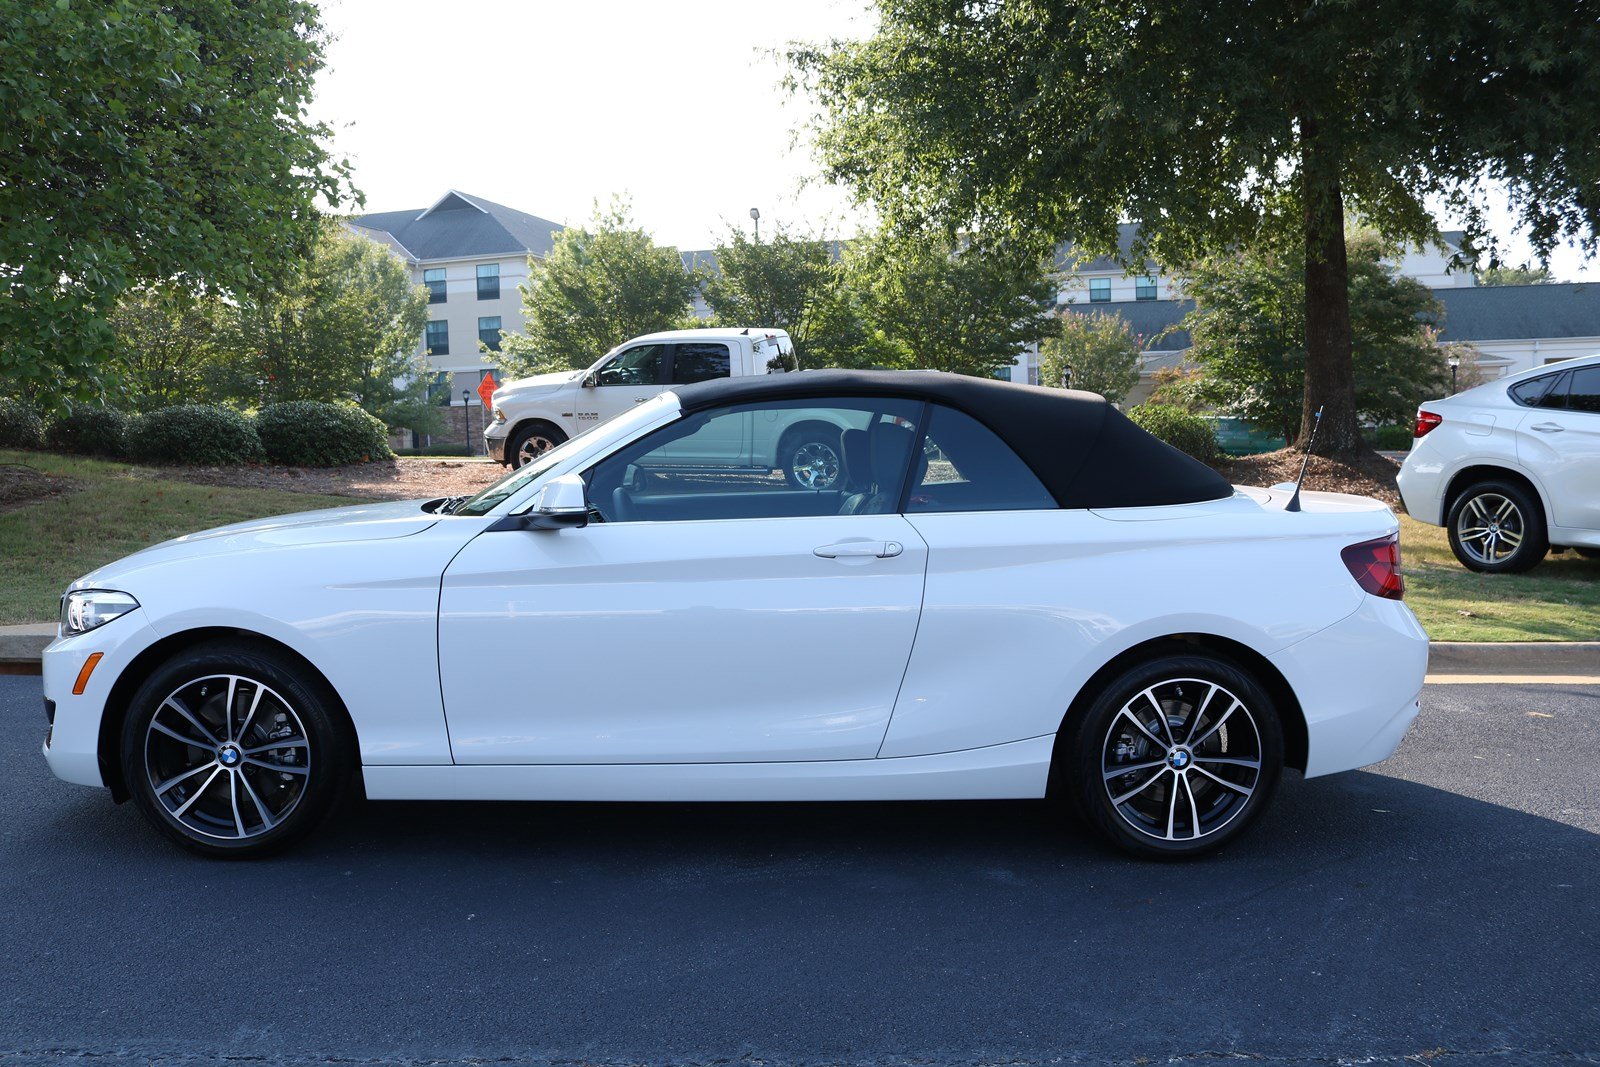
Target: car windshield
x: 488, y: 498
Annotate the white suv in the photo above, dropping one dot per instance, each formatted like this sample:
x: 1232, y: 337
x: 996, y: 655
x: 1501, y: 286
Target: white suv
x: 1511, y: 468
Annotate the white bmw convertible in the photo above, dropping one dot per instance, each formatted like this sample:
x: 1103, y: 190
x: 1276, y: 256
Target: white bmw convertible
x: 1009, y: 592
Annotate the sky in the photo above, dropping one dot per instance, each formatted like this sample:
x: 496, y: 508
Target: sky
x: 546, y: 107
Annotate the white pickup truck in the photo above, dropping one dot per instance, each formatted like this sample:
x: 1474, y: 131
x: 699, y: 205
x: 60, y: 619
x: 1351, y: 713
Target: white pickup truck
x: 538, y: 413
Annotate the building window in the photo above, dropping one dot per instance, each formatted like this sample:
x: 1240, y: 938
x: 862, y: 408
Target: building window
x: 489, y: 331
x: 1144, y: 288
x: 1099, y: 290
x: 433, y: 278
x: 438, y: 338
x: 488, y: 281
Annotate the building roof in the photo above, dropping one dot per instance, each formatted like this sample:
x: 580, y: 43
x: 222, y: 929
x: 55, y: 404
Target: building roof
x: 1519, y: 312
x: 1086, y: 452
x: 459, y: 225
x: 1147, y: 318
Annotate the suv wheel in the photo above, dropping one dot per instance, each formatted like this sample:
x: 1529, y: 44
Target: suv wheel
x: 531, y: 442
x: 812, y: 460
x: 1497, y: 528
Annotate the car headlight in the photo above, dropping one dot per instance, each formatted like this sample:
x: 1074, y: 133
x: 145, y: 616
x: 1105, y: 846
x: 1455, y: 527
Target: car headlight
x: 84, y: 609
x: 499, y: 416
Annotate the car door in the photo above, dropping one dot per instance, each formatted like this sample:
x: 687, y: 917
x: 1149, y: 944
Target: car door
x: 701, y: 617
x: 630, y: 377
x: 1560, y: 442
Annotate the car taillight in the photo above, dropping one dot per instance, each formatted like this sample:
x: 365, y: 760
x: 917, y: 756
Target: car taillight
x: 1375, y: 565
x: 1426, y: 421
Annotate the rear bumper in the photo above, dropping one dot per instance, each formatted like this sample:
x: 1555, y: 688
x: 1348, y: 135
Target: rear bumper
x: 1359, y: 683
x: 1422, y: 487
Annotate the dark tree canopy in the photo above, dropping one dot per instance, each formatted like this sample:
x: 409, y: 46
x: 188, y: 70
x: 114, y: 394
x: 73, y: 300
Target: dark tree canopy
x: 1207, y: 123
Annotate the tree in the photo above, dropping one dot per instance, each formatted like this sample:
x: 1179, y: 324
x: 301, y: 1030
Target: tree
x: 1101, y: 351
x: 344, y: 327
x: 1527, y: 274
x: 937, y: 306
x: 1249, y: 337
x: 599, y: 286
x: 153, y: 143
x: 166, y: 347
x: 1211, y: 125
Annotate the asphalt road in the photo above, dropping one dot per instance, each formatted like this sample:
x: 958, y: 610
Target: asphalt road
x: 1441, y: 908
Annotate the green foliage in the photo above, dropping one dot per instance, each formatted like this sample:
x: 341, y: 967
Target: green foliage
x: 1390, y: 438
x: 166, y: 349
x: 312, y: 433
x: 88, y: 431
x: 600, y: 285
x: 1527, y: 274
x: 343, y: 326
x: 1101, y: 351
x: 937, y: 306
x: 1211, y: 124
x: 1181, y: 429
x: 436, y: 450
x: 20, y: 425
x: 194, y: 434
x: 1248, y: 331
x: 147, y: 142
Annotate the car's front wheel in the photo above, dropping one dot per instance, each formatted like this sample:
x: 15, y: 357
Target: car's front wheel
x: 531, y: 442
x: 1174, y: 758
x: 1497, y: 528
x: 230, y: 750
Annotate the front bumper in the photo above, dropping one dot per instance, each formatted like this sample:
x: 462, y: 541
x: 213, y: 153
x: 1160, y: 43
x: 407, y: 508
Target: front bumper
x: 72, y: 744
x: 495, y: 446
x: 1359, y: 683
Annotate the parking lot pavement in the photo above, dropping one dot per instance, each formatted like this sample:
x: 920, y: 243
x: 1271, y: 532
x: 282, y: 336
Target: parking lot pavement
x: 1444, y: 905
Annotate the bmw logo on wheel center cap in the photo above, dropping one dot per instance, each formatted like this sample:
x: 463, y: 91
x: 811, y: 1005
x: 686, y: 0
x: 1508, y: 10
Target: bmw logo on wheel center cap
x: 229, y: 755
x: 1178, y: 758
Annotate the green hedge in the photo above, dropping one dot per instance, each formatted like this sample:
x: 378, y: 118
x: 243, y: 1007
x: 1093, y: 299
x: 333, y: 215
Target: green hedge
x: 196, y: 434
x: 20, y: 425
x: 436, y: 450
x: 88, y: 431
x: 1389, y: 438
x: 1181, y: 429
x: 310, y: 433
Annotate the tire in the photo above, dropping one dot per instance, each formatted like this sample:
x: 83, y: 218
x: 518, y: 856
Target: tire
x: 532, y: 441
x: 248, y: 787
x: 1149, y: 810
x: 812, y: 458
x: 1488, y: 515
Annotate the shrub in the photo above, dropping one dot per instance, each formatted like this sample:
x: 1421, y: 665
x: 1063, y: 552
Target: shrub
x: 436, y: 450
x: 198, y: 434
x: 1389, y: 438
x: 88, y: 431
x: 310, y: 433
x: 20, y: 425
x: 1181, y: 429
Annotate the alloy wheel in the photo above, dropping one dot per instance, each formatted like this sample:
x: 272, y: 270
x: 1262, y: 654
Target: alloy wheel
x: 1490, y: 528
x: 227, y: 757
x: 815, y: 465
x: 1181, y: 759
x: 532, y: 448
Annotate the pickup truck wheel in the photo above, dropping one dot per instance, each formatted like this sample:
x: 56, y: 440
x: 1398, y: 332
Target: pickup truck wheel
x: 1497, y: 528
x: 812, y: 460
x: 531, y: 442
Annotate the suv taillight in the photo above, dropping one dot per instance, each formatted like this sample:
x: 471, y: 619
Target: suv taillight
x: 1375, y: 565
x: 1426, y: 421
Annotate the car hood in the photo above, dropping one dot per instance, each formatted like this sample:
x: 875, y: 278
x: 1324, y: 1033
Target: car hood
x: 535, y: 385
x: 363, y: 522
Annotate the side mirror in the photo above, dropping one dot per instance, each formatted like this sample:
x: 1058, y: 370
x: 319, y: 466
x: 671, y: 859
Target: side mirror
x: 562, y: 504
x: 591, y: 380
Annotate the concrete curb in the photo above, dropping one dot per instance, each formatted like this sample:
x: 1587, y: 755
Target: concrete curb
x: 20, y: 648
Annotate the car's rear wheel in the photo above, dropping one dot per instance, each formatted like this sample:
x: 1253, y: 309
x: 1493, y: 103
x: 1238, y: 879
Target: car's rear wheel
x: 812, y: 459
x: 1175, y: 758
x: 531, y: 442
x: 230, y: 750
x: 1497, y: 528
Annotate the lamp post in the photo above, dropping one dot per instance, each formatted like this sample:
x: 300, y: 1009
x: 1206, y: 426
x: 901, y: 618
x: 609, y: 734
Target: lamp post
x: 466, y: 418
x: 1454, y: 362
x: 755, y: 217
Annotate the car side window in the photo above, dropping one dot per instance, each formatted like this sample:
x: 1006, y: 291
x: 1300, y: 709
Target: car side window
x: 1584, y: 392
x: 966, y: 467
x: 768, y: 459
x: 1529, y: 393
x: 639, y: 365
x: 700, y: 361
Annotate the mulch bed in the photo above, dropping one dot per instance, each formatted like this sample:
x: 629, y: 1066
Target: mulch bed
x: 1364, y: 474
x: 405, y: 478
x: 22, y: 484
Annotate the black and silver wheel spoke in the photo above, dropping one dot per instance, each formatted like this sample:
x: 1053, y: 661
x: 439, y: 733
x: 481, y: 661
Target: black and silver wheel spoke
x: 1490, y: 528
x: 227, y: 757
x: 1190, y: 773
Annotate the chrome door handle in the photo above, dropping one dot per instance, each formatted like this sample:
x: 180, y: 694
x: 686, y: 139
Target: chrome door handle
x: 859, y: 549
x: 640, y: 399
x: 1547, y: 427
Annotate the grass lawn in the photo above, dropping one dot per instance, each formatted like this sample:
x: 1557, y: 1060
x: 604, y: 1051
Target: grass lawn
x: 48, y: 543
x: 1559, y: 600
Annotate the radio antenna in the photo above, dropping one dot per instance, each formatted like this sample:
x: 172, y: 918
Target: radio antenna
x: 1311, y: 442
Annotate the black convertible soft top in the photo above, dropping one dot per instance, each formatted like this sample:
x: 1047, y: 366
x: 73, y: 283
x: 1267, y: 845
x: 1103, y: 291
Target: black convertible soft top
x: 1086, y: 452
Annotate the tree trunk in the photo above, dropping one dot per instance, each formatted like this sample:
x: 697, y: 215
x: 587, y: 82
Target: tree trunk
x: 1330, y: 370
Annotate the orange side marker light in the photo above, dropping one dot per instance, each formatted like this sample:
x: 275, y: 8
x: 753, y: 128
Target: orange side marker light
x: 83, y: 675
